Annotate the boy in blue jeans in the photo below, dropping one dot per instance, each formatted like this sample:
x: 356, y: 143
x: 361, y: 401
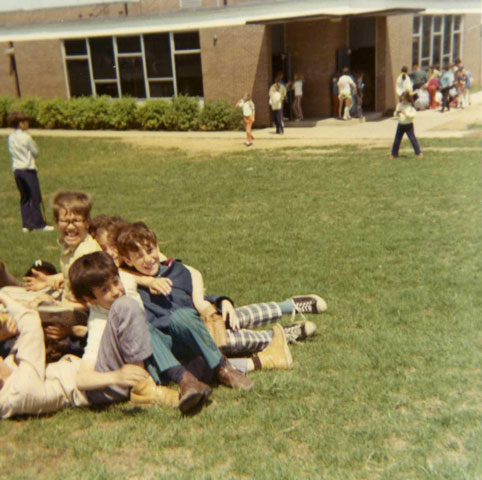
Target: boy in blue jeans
x: 126, y: 353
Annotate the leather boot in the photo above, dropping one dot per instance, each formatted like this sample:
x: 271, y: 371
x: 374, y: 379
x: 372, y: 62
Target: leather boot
x: 148, y: 393
x: 191, y: 392
x: 227, y: 375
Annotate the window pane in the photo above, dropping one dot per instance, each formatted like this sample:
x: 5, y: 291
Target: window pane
x: 158, y: 55
x: 415, y: 45
x: 102, y: 54
x: 437, y: 24
x: 129, y: 44
x: 187, y: 41
x: 109, y: 89
x: 161, y: 89
x: 132, y: 77
x: 79, y: 80
x: 189, y: 75
x: 75, y: 47
x: 458, y: 22
x: 456, y: 50
x: 427, y: 34
x: 436, y: 51
x: 416, y: 24
x: 425, y: 63
x: 447, y: 33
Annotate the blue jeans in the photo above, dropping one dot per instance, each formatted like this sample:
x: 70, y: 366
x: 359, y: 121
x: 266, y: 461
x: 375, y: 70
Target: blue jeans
x: 401, y: 130
x: 30, y: 198
x: 278, y: 120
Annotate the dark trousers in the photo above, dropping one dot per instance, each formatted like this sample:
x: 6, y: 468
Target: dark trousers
x: 278, y: 120
x: 401, y: 130
x: 30, y: 198
x: 446, y: 98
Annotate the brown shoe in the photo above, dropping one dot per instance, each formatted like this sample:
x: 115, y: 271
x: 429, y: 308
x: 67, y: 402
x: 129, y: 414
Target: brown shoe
x: 192, y: 392
x: 227, y: 375
x: 148, y: 393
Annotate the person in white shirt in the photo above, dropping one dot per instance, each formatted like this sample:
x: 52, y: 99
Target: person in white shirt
x: 403, y: 83
x: 297, y: 87
x: 276, y: 103
x: 248, y: 108
x: 405, y: 112
x: 23, y: 152
x: 345, y: 87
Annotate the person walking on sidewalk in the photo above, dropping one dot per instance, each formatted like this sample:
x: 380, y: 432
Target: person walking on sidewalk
x: 405, y: 112
x: 248, y: 108
x: 23, y: 152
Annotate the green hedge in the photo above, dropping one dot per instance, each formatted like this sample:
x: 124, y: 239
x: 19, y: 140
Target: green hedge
x: 94, y: 113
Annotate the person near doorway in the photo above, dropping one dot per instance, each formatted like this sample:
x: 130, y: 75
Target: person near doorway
x: 346, y: 86
x: 276, y: 103
x: 297, y: 87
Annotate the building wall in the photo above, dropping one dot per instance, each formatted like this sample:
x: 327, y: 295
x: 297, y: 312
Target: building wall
x: 313, y: 46
x: 381, y: 65
x: 40, y: 69
x: 472, y: 47
x: 236, y: 60
x: 397, y: 53
x: 7, y: 77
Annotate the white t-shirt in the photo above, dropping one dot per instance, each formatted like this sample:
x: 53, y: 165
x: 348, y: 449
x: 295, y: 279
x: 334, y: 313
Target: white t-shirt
x: 275, y: 100
x: 98, y: 318
x: 248, y: 108
x: 298, y: 88
x: 23, y: 150
x: 344, y: 84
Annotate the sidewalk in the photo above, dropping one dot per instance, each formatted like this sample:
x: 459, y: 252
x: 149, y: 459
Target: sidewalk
x: 330, y: 131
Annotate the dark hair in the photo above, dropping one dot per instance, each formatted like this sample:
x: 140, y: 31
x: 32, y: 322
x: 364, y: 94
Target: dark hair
x: 132, y: 236
x: 89, y: 271
x: 41, y: 266
x: 406, y: 96
x: 404, y: 69
x: 15, y: 118
x: 345, y: 71
x: 107, y: 223
x: 77, y: 202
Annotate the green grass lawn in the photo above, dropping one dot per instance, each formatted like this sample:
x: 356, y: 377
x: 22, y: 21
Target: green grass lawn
x: 389, y: 388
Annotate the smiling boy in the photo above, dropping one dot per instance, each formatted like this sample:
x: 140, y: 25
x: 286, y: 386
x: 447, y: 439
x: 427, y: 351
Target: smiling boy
x: 125, y: 349
x: 71, y: 212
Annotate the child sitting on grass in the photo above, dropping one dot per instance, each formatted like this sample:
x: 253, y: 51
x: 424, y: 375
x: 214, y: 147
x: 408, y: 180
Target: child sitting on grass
x: 95, y: 280
x: 166, y: 286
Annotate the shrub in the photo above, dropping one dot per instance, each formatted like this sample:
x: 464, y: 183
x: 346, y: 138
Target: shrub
x: 151, y: 115
x: 220, y: 115
x: 183, y: 114
x: 123, y: 114
x: 5, y: 109
x: 29, y: 106
x: 55, y: 114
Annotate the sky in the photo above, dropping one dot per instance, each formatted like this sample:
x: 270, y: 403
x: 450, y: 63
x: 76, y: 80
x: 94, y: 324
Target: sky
x: 12, y: 5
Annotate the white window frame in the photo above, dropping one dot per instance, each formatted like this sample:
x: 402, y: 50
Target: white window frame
x: 117, y: 55
x: 441, y: 34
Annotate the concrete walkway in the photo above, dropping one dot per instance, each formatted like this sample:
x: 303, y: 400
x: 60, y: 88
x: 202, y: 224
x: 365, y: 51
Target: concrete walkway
x: 375, y: 131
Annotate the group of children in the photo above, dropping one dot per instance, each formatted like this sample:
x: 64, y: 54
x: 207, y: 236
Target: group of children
x: 149, y: 325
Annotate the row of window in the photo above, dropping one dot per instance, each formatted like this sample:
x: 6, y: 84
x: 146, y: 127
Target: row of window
x: 437, y: 40
x: 141, y: 66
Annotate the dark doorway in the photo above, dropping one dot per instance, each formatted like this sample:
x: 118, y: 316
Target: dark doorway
x: 362, y: 58
x: 281, y: 63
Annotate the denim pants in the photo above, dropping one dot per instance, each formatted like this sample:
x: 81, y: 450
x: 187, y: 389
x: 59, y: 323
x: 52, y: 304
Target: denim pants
x: 30, y: 199
x: 401, y: 130
x: 278, y: 120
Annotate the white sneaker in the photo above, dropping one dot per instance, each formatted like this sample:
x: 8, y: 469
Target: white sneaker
x: 25, y: 230
x: 48, y: 228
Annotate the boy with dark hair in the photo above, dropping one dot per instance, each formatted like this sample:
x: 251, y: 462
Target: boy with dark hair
x: 168, y: 286
x: 23, y: 152
x: 127, y: 339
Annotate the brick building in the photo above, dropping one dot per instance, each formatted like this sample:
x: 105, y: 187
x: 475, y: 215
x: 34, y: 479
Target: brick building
x: 217, y: 49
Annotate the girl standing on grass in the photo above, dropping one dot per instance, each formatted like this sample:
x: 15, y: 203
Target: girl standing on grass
x: 405, y: 112
x: 248, y: 116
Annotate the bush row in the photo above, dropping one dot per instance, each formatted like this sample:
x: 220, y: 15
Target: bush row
x: 93, y: 113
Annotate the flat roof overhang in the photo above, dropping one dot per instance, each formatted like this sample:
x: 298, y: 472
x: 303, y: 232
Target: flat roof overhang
x: 279, y: 11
